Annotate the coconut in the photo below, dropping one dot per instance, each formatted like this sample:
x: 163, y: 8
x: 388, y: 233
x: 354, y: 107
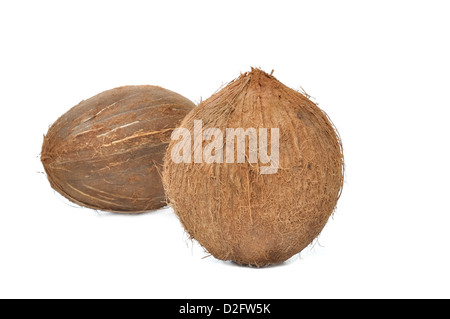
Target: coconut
x: 107, y: 152
x: 255, y: 212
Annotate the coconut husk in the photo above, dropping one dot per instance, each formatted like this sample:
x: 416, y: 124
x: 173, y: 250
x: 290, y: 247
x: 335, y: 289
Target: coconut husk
x: 235, y: 212
x: 106, y: 153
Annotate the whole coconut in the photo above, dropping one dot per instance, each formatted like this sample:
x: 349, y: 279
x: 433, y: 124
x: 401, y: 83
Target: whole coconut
x: 107, y: 152
x: 235, y: 210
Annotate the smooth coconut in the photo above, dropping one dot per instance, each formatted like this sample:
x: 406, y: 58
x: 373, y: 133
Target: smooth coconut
x: 107, y: 152
x: 233, y: 210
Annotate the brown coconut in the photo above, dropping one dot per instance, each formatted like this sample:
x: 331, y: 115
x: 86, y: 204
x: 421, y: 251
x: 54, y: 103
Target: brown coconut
x: 107, y: 152
x: 235, y: 212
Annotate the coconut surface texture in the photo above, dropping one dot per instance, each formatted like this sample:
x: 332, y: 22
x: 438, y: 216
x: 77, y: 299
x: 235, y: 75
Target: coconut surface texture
x: 107, y: 152
x: 235, y: 212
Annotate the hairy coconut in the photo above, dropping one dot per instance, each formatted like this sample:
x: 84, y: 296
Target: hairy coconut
x: 107, y: 152
x: 235, y: 210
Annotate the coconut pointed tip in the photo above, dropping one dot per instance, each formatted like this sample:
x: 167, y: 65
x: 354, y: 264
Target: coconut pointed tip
x: 257, y: 78
x: 256, y: 73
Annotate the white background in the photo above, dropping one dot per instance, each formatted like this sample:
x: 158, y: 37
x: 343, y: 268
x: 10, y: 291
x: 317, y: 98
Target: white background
x: 380, y: 69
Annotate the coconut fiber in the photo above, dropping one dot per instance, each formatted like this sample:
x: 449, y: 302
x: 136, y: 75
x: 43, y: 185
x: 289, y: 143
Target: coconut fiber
x: 107, y: 152
x: 235, y: 212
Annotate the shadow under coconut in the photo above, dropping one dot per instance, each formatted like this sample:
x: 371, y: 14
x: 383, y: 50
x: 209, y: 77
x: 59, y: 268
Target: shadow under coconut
x: 104, y: 213
x: 306, y: 253
x: 162, y: 210
x: 235, y: 264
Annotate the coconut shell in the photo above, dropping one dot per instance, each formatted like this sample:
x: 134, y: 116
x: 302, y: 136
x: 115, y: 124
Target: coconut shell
x: 107, y: 152
x: 235, y: 212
